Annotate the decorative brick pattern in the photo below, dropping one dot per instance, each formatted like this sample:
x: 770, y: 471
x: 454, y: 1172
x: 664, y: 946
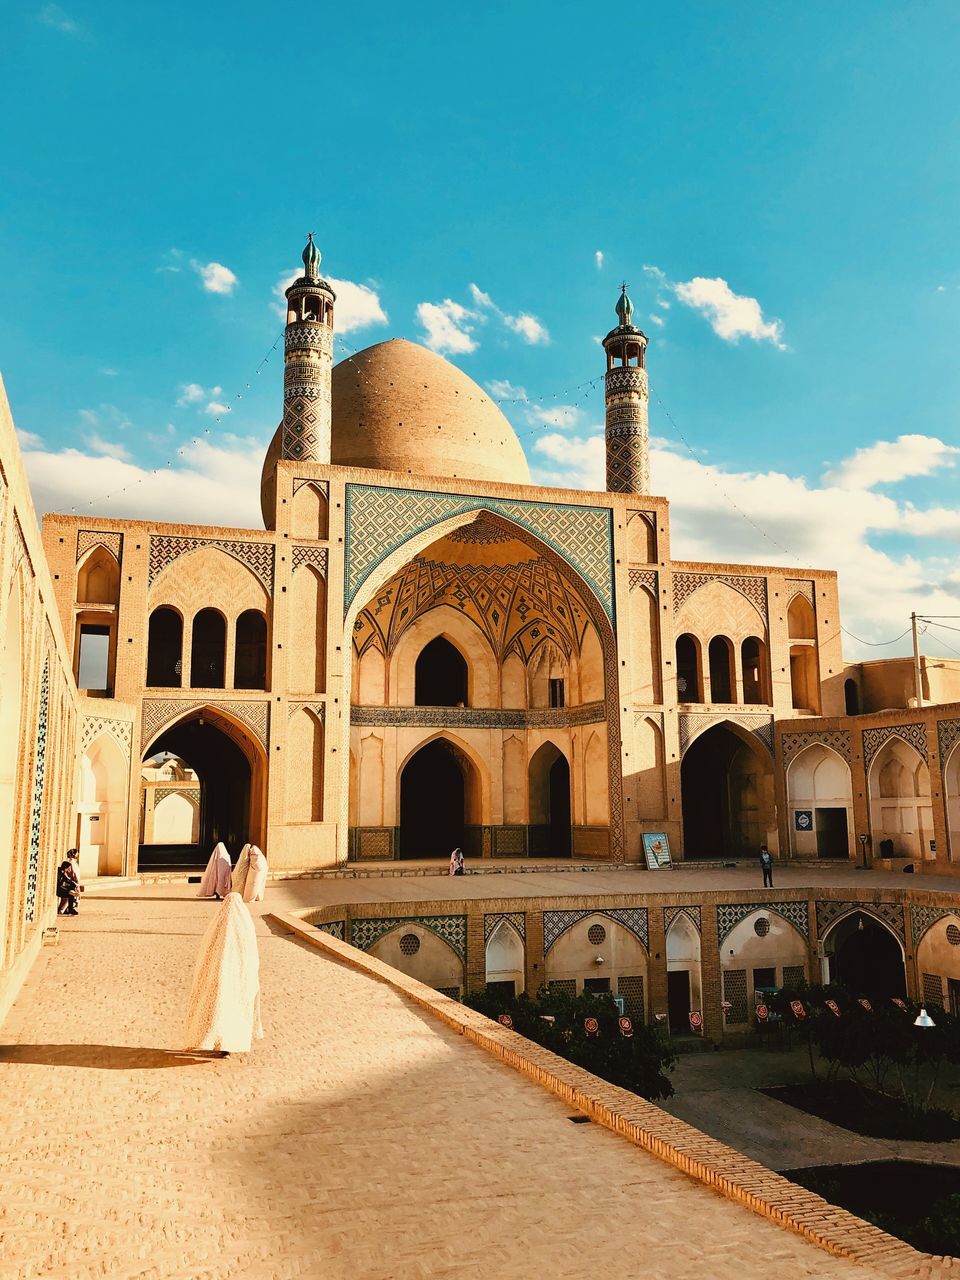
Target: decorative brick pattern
x: 648, y: 578
x: 873, y: 739
x: 517, y: 918
x: 322, y: 485
x: 93, y: 726
x: 509, y: 842
x: 924, y: 917
x: 379, y: 521
x: 563, y: 986
x: 319, y: 709
x: 801, y: 587
x: 693, y: 723
x: 735, y: 993
x: 189, y: 793
x: 752, y: 589
x: 20, y: 551
x: 692, y: 913
x: 314, y: 556
x: 478, y: 717
x: 794, y: 975
x: 729, y: 915
x: 655, y: 716
x: 556, y: 923
x: 890, y: 913
x: 257, y: 556
x: 948, y: 733
x: 88, y: 538
x: 933, y: 990
x: 630, y: 986
x: 791, y: 744
x: 36, y: 803
x: 161, y: 711
x: 451, y: 929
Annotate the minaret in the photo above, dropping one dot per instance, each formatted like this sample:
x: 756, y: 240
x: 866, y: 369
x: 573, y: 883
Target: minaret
x: 308, y: 360
x: 627, y: 435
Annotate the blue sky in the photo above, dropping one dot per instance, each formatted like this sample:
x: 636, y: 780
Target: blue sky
x: 779, y: 184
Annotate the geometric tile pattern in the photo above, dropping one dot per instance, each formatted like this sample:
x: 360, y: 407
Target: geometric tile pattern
x: 915, y: 735
x: 159, y: 711
x: 321, y: 485
x: 315, y: 556
x: 308, y: 356
x: 450, y: 929
x: 556, y: 923
x: 933, y: 990
x: 693, y: 723
x: 630, y: 986
x: 36, y: 805
x: 800, y: 587
x: 793, y: 743
x: 670, y: 914
x: 93, y: 726
x: 319, y: 709
x: 379, y: 520
x: 517, y: 918
x: 478, y: 717
x: 794, y: 975
x: 890, y: 913
x: 948, y: 732
x: 257, y: 556
x: 335, y: 928
x: 87, y: 538
x: 923, y: 918
x: 752, y: 589
x: 729, y: 915
x: 648, y: 578
x: 735, y: 993
x: 189, y: 793
x: 626, y: 431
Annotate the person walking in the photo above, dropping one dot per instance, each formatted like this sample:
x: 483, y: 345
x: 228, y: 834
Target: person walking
x: 766, y: 866
x: 223, y: 1014
x: 68, y: 886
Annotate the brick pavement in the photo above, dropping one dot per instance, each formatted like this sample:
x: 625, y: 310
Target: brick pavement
x: 361, y: 1138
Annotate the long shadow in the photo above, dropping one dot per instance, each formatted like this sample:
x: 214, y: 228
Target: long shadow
x: 107, y: 1057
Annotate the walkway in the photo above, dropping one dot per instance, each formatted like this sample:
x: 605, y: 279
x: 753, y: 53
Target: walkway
x: 361, y: 1140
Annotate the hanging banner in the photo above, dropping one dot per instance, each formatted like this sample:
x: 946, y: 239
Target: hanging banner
x: 505, y: 1020
x: 762, y: 1012
x: 797, y: 1009
x: 696, y: 1022
x: 626, y: 1027
x: 833, y: 1007
x: 591, y: 1026
x: 866, y: 1004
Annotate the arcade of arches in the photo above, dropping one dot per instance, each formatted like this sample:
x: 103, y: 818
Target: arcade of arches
x: 486, y: 635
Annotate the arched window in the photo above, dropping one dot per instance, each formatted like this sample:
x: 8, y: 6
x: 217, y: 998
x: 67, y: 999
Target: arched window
x: 250, y: 663
x: 98, y: 581
x: 851, y: 697
x: 688, y: 670
x: 441, y: 677
x: 753, y: 665
x: 164, y: 649
x: 721, y: 670
x: 208, y: 654
x: 801, y: 624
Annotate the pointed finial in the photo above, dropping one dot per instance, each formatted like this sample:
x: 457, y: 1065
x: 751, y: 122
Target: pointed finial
x: 311, y: 259
x: 624, y: 307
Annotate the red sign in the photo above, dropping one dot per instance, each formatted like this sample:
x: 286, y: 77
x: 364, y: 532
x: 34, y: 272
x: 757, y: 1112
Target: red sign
x: 505, y: 1020
x: 696, y: 1021
x: 591, y: 1026
x: 626, y: 1027
x: 901, y: 1004
x: 833, y: 1007
x: 762, y: 1012
x: 866, y: 1004
x: 799, y: 1012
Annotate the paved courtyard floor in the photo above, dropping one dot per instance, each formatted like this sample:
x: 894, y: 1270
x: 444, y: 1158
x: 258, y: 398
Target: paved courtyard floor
x: 361, y: 1139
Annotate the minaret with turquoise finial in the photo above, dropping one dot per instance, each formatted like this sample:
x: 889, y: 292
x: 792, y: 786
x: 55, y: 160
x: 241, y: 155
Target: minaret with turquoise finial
x: 308, y: 362
x: 627, y: 433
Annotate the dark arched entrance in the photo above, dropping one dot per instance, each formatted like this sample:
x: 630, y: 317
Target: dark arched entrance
x: 549, y: 778
x: 441, y: 676
x: 432, y: 803
x: 225, y: 793
x: 727, y: 791
x: 866, y: 958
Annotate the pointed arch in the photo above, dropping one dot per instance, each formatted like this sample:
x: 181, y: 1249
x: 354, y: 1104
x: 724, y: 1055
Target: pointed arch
x: 304, y: 767
x: 901, y: 809
x: 504, y: 956
x: 820, y: 802
x: 308, y: 517
x: 98, y: 577
x: 307, y: 631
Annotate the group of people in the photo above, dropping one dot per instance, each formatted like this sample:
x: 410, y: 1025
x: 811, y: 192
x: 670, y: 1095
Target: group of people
x: 248, y: 877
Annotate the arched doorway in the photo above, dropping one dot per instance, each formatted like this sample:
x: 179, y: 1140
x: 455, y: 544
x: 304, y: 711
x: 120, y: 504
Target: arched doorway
x: 727, y: 791
x: 820, y: 804
x: 549, y: 782
x: 864, y: 956
x: 900, y: 804
x: 229, y: 767
x: 102, y: 808
x: 441, y: 678
x: 438, y: 792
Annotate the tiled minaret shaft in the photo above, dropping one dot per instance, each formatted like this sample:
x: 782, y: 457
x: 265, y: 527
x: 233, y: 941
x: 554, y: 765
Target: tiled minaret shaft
x: 308, y: 361
x: 627, y: 433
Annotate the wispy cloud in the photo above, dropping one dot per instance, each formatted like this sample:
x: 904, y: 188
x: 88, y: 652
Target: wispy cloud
x: 215, y: 277
x: 194, y: 396
x: 52, y: 16
x: 527, y: 326
x: 448, y: 327
x: 358, y: 306
x: 888, y: 461
x: 190, y: 393
x: 108, y: 448
x: 504, y: 390
x: 558, y: 415
x: 598, y: 259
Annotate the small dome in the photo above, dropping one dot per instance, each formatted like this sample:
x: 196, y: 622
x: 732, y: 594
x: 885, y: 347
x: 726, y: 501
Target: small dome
x: 399, y: 407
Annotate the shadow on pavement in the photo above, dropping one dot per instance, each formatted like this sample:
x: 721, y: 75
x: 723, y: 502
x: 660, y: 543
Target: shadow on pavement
x: 107, y: 1057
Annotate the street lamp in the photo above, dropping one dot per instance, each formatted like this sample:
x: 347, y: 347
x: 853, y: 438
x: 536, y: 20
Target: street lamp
x: 923, y: 1019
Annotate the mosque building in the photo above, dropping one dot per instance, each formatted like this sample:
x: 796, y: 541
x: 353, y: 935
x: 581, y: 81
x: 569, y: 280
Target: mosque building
x: 423, y: 649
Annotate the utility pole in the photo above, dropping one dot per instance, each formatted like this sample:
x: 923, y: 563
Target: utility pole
x: 917, y: 682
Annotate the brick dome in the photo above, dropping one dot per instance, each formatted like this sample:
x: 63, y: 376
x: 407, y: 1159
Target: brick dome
x: 399, y: 407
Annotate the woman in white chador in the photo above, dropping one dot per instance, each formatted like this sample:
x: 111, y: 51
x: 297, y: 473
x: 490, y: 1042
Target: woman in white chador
x: 224, y: 1010
x: 255, y: 886
x: 216, y: 878
x: 241, y: 869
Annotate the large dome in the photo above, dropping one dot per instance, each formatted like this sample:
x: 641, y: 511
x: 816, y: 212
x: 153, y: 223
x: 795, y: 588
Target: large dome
x: 399, y: 407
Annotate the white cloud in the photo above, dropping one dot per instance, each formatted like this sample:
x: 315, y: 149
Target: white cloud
x: 809, y: 525
x: 210, y: 484
x: 447, y: 327
x: 109, y: 448
x: 530, y: 329
x: 888, y: 461
x: 190, y: 393
x: 28, y: 439
x: 731, y: 315
x: 482, y: 299
x: 657, y: 320
x: 108, y: 373
x: 504, y: 390
x: 357, y: 306
x: 558, y: 415
x: 598, y: 259
x: 216, y: 277
x: 51, y: 15
x: 662, y: 302
x: 216, y: 410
